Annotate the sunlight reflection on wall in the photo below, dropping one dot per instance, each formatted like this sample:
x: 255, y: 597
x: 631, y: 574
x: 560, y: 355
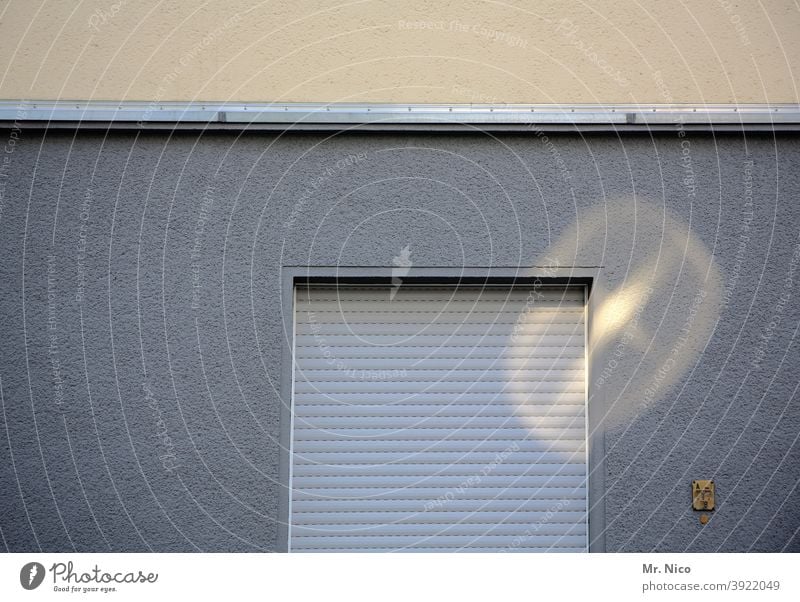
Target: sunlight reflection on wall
x: 654, y: 303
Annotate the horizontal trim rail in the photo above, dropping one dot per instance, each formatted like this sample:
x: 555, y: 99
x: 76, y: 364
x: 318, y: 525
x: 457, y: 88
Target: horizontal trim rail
x: 342, y: 115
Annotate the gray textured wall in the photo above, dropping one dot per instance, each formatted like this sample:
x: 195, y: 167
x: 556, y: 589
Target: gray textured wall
x: 142, y: 333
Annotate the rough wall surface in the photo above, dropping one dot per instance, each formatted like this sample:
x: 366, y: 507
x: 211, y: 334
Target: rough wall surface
x: 142, y: 327
x: 426, y: 51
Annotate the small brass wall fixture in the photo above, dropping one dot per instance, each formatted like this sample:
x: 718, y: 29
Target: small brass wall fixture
x: 703, y: 498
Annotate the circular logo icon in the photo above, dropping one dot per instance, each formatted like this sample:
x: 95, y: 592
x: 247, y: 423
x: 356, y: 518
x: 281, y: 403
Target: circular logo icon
x: 31, y: 575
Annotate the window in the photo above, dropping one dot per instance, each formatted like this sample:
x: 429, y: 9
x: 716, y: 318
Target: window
x: 439, y: 418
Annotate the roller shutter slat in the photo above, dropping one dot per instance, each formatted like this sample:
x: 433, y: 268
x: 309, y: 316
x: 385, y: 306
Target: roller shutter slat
x: 460, y: 549
x: 380, y: 294
x: 463, y: 470
x: 405, y: 330
x: 398, y: 412
x: 465, y: 529
x: 429, y: 375
x: 508, y: 506
x: 424, y: 341
x: 329, y: 388
x: 424, y: 398
x: 433, y: 493
x: 437, y: 363
x: 359, y: 350
x: 440, y: 306
x: 438, y: 458
x: 464, y: 445
x: 416, y: 480
x: 467, y: 433
x: 439, y: 419
x: 497, y: 542
x: 436, y: 518
x: 390, y: 423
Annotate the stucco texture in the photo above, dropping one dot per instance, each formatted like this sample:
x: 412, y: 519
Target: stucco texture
x: 417, y: 51
x: 143, y: 333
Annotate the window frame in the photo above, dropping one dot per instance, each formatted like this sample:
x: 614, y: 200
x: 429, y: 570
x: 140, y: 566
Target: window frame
x: 292, y: 276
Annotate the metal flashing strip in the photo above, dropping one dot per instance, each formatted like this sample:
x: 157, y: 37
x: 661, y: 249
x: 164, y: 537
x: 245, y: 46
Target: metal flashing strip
x: 342, y: 115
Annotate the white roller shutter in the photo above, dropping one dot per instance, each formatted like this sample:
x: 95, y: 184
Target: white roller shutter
x: 439, y: 419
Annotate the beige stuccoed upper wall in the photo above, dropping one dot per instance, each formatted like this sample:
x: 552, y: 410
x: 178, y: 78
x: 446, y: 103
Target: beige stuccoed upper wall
x: 621, y: 51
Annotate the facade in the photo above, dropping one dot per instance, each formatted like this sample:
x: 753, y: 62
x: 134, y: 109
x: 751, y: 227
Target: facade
x: 230, y: 325
x: 469, y: 51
